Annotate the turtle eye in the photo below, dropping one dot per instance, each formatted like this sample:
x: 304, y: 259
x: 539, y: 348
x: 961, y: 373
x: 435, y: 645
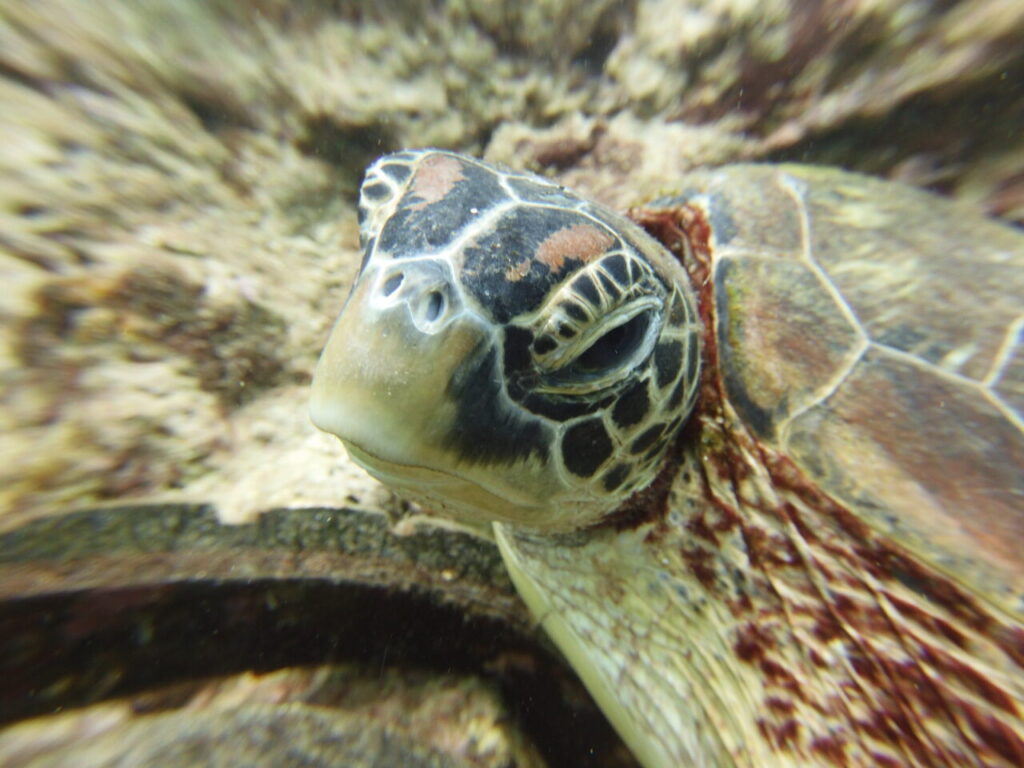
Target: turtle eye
x: 604, y: 355
x: 615, y: 346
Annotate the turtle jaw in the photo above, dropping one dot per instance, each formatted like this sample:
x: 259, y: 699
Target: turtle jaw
x: 447, y: 492
x: 380, y: 381
x: 404, y: 393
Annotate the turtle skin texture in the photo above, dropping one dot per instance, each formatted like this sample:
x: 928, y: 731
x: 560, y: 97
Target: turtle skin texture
x: 759, y: 473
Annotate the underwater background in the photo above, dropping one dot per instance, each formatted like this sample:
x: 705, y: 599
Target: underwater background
x: 179, y: 548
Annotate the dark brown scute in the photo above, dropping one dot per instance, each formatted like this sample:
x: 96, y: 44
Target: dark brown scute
x: 615, y: 476
x: 585, y: 447
x: 632, y: 405
x: 520, y: 280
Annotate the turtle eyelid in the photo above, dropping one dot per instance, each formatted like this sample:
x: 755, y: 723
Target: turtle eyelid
x: 603, y: 355
x: 614, y: 345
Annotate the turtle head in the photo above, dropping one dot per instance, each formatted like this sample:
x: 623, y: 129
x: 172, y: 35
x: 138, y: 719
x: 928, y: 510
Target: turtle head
x: 509, y: 351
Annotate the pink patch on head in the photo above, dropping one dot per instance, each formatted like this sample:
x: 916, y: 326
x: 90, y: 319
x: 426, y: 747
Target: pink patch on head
x: 582, y: 242
x: 434, y: 179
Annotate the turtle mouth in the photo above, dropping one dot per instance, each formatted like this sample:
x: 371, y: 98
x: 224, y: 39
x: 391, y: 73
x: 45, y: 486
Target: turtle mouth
x: 410, y: 477
x: 452, y: 493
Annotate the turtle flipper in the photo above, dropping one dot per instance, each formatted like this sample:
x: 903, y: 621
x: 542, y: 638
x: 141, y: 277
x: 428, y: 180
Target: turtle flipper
x: 621, y: 616
x: 743, y: 628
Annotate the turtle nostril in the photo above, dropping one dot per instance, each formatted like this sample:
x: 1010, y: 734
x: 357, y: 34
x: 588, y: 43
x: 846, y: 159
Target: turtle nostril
x: 435, y: 305
x: 420, y: 289
x: 392, y: 283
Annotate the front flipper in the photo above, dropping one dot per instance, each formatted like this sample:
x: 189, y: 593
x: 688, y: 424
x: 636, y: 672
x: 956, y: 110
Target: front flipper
x: 649, y: 643
x: 751, y: 629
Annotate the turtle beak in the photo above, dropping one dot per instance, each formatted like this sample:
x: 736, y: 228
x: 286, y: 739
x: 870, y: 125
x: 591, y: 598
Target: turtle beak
x: 381, y: 384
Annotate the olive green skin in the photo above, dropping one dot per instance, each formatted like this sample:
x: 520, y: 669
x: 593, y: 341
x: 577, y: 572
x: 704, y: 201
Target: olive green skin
x: 827, y: 571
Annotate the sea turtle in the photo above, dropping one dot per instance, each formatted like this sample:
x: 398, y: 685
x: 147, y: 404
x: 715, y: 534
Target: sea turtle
x: 762, y: 481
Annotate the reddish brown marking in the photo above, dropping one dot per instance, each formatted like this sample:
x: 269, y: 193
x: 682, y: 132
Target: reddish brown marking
x: 751, y: 644
x: 786, y: 733
x: 581, y: 242
x: 757, y: 546
x: 1011, y: 640
x: 826, y: 628
x: 769, y: 550
x: 894, y: 564
x: 727, y: 520
x: 927, y: 620
x: 783, y: 553
x: 648, y: 504
x: 741, y: 605
x: 699, y: 562
x: 806, y: 531
x: 775, y: 672
x: 845, y: 606
x: 831, y: 748
x: 884, y: 761
x: 914, y: 684
x: 969, y: 678
x: 864, y: 666
x: 996, y: 735
x: 726, y: 463
x: 891, y: 725
x: 789, y: 476
x: 699, y: 527
x: 779, y: 706
x: 950, y: 632
x: 435, y: 178
x: 728, y: 515
x: 674, y: 226
x: 881, y: 559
